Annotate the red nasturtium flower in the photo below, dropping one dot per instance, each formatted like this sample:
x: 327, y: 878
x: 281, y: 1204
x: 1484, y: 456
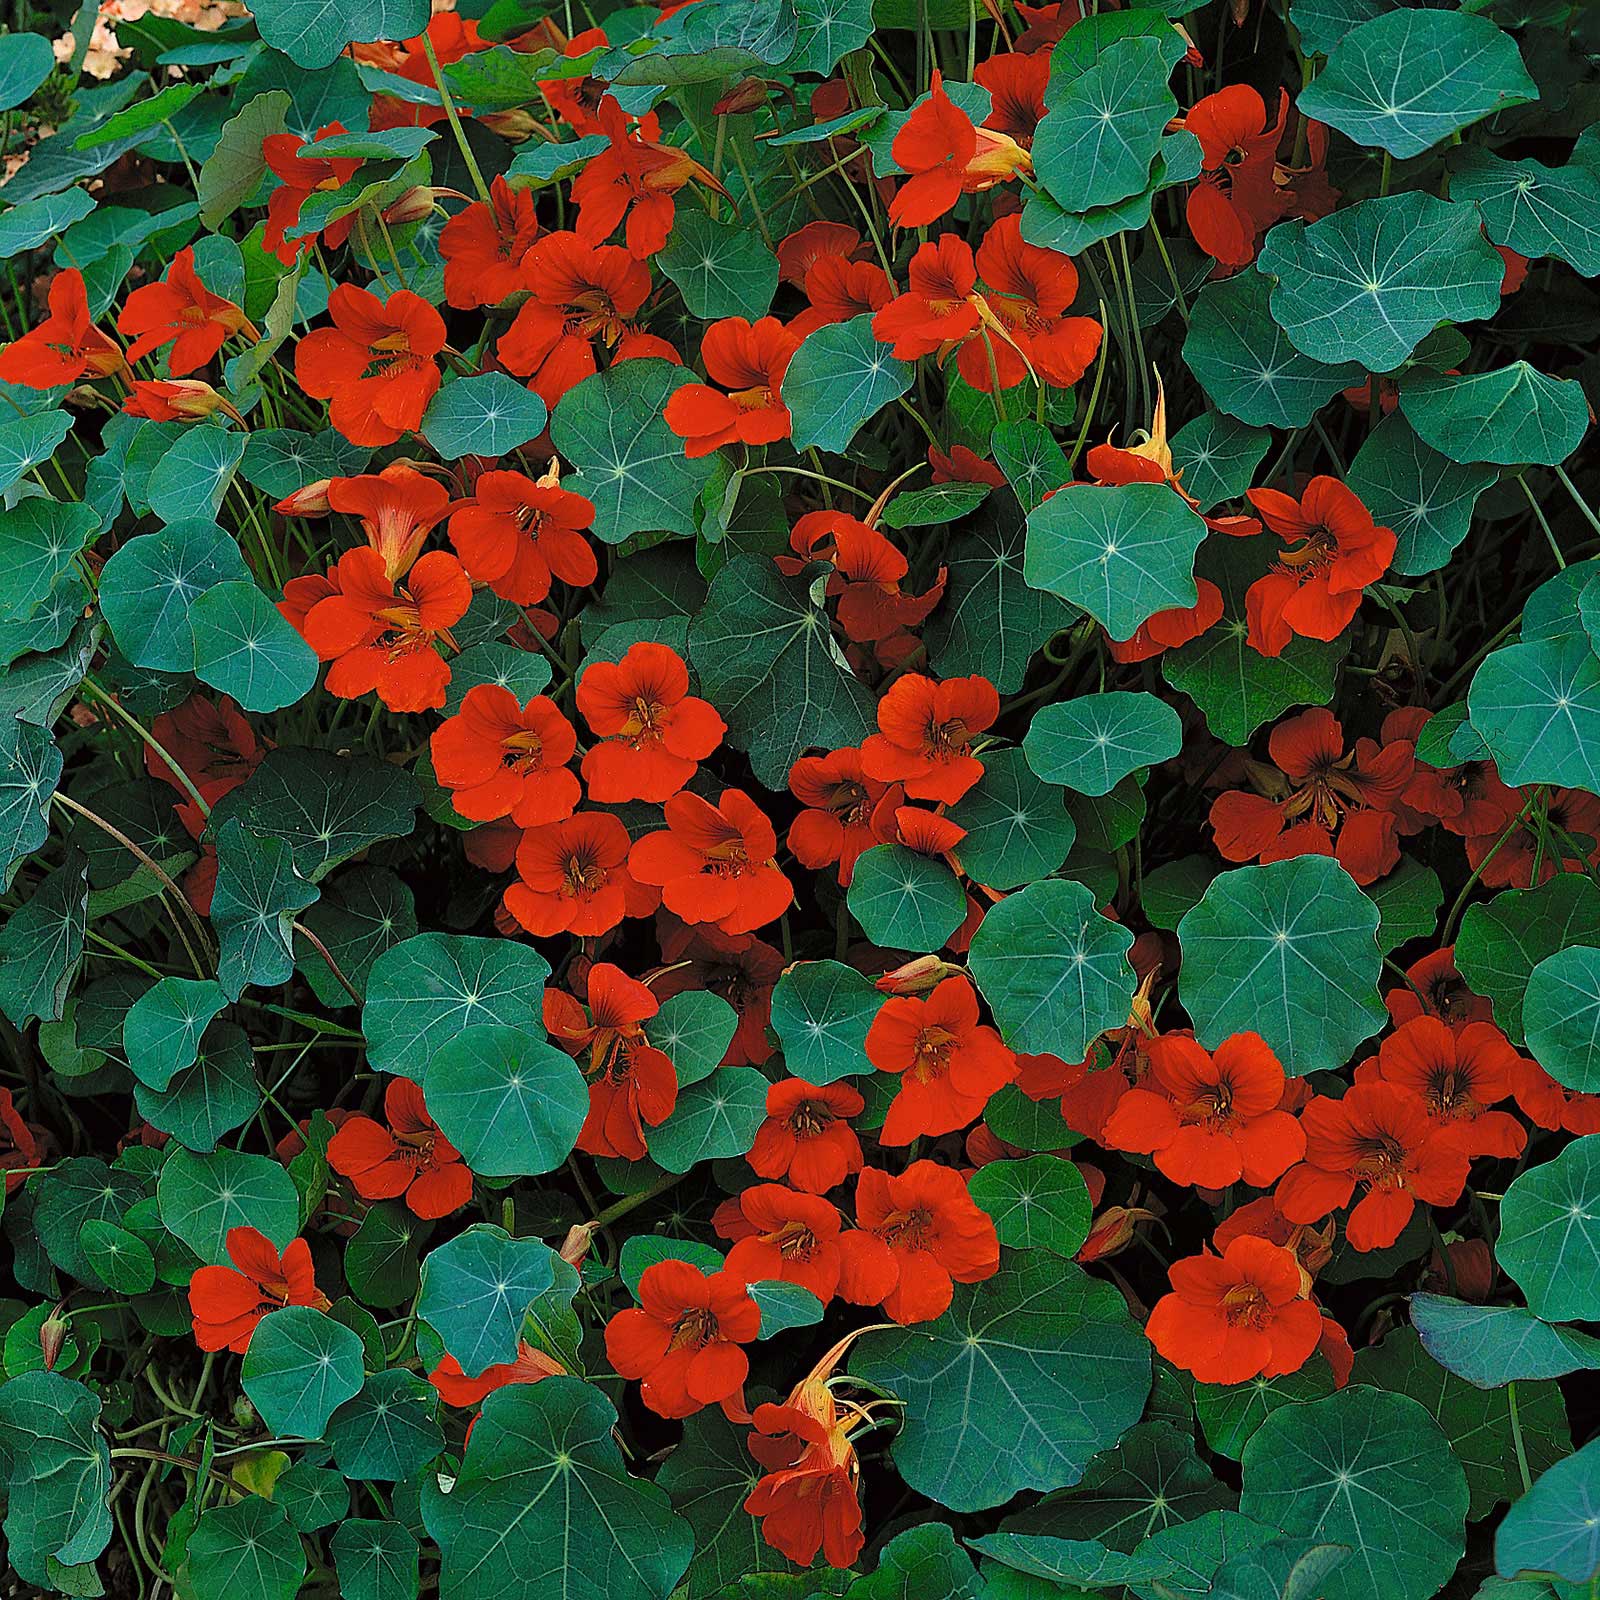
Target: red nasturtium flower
x: 917, y: 1234
x: 1460, y: 1075
x: 484, y: 247
x: 1434, y: 987
x: 375, y: 366
x: 653, y: 733
x: 66, y: 346
x: 181, y: 312
x: 950, y: 1064
x: 299, y: 177
x: 518, y: 534
x: 782, y: 1235
x: 1016, y: 85
x: 1236, y: 198
x: 947, y: 157
x: 175, y: 400
x: 925, y: 732
x: 1315, y: 587
x: 841, y: 803
x: 573, y: 878
x: 408, y: 1159
x: 631, y: 1083
x: 500, y: 758
x: 19, y: 1144
x: 397, y: 508
x: 748, y: 359
x: 1237, y: 1316
x: 226, y: 1303
x: 455, y: 1388
x: 714, y: 863
x: 807, y: 1140
x: 380, y: 635
x: 1210, y: 1118
x: 684, y: 1339
x: 1380, y: 1139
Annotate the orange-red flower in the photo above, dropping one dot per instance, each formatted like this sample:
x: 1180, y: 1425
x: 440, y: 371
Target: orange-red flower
x: 939, y: 306
x: 1016, y: 85
x: 20, y: 1148
x: 66, y: 346
x: 580, y: 295
x: 375, y: 365
x: 748, y: 359
x: 518, y: 534
x: 714, y: 863
x: 175, y: 400
x: 1210, y: 1118
x: 397, y: 508
x: 1546, y: 1104
x: 1237, y: 197
x: 739, y: 968
x: 916, y: 1236
x: 1379, y: 1139
x: 1315, y: 587
x: 1543, y: 843
x: 842, y: 805
x: 1318, y: 799
x: 384, y: 637
x: 226, y: 1303
x: 782, y: 1235
x: 949, y: 1063
x: 813, y: 242
x: 1434, y: 987
x: 839, y: 289
x: 807, y: 1500
x: 947, y: 157
x: 1459, y: 1074
x: 574, y: 878
x: 500, y: 758
x: 1237, y: 1316
x: 179, y: 311
x: 484, y: 247
x: 300, y: 177
x: 631, y: 1083
x: 410, y: 1158
x: 925, y: 732
x: 455, y: 1388
x: 807, y: 1139
x: 1168, y: 630
x: 653, y: 733
x: 683, y: 1341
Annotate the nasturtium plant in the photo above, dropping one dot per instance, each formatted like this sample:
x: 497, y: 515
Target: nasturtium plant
x: 798, y: 798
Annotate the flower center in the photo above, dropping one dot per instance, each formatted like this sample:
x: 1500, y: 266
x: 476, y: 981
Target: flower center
x: 1245, y: 1306
x: 696, y: 1328
x: 934, y: 1046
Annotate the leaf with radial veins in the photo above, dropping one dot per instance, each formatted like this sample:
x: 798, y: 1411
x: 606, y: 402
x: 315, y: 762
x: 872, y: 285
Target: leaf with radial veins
x: 301, y: 1366
x: 1407, y: 80
x: 1508, y: 417
x: 1531, y: 208
x: 1090, y: 744
x: 840, y: 378
x: 1017, y: 1386
x: 476, y: 1290
x: 1550, y: 1234
x: 821, y: 1011
x: 1555, y: 1526
x: 1537, y: 707
x: 1018, y: 827
x: 1369, y: 282
x: 1121, y: 553
x: 1561, y: 1013
x: 1289, y: 951
x: 1494, y: 1345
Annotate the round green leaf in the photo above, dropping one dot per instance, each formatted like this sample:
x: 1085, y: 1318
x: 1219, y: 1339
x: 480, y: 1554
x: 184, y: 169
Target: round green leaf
x: 1122, y: 554
x: 509, y: 1101
x: 721, y: 267
x: 1017, y: 825
x: 312, y: 33
x: 26, y: 60
x: 821, y: 1011
x: 1216, y: 457
x: 1561, y: 1014
x: 1038, y: 1203
x: 525, y: 673
x: 162, y: 1032
x: 375, y: 1560
x: 1054, y: 971
x: 244, y: 647
x: 477, y: 1288
x: 695, y: 1029
x: 485, y: 416
x: 1090, y: 744
x: 217, y: 1092
x: 1534, y: 209
x: 121, y: 1259
x: 1026, y: 1377
x: 715, y: 1118
x: 1289, y: 951
x: 905, y: 901
x: 1555, y: 1527
x: 381, y: 1258
x: 1494, y: 1345
x: 246, y: 1549
x: 1509, y: 417
x: 1550, y: 1234
x: 1407, y: 80
x: 300, y: 1367
x: 204, y: 1197
x: 387, y: 1431
x: 1366, y: 1469
x: 1367, y: 283
x: 149, y: 587
x: 839, y: 379
x: 1229, y: 1413
x: 1537, y: 707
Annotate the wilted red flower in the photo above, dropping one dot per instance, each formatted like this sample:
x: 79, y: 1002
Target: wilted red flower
x: 782, y: 1235
x: 714, y: 863
x: 375, y: 365
x: 181, y: 312
x: 500, y: 758
x: 683, y: 1341
x: 962, y: 465
x: 947, y: 157
x: 384, y: 637
x: 1236, y: 198
x: 949, y: 1063
x: 1210, y: 1118
x: 1237, y: 1316
x: 66, y: 346
x: 574, y: 878
x: 739, y: 968
x: 1541, y: 844
x: 1315, y: 587
x: 409, y: 1159
x: 518, y: 534
x: 917, y: 1234
x: 1459, y: 1074
x: 484, y: 246
x: 841, y: 803
x: 631, y: 1083
x: 925, y: 732
x: 748, y: 359
x: 1379, y: 1139
x: 397, y: 508
x: 300, y: 177
x: 226, y: 1303
x: 807, y: 1138
x: 653, y: 732
x: 1318, y: 800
